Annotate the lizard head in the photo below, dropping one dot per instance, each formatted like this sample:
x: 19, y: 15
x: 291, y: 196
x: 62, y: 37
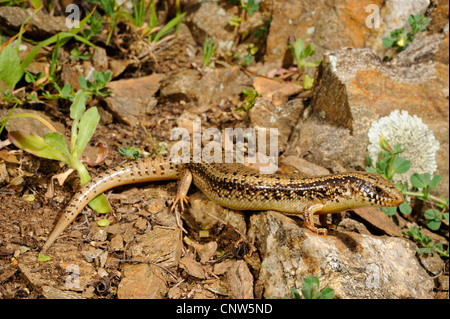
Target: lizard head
x: 375, y: 190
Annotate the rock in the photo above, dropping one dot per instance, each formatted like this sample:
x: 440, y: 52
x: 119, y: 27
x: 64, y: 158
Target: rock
x: 214, y: 86
x: 133, y: 98
x: 29, y: 125
x: 92, y: 254
x: 439, y: 16
x: 276, y: 92
x: 42, y: 25
x: 442, y: 55
x: 213, y: 20
x: 205, y: 252
x: 53, y: 293
x: 265, y: 115
x: 240, y: 281
x: 378, y: 219
x: 4, y: 177
x: 326, y: 25
x: 207, y: 213
x: 354, y: 89
x: 97, y: 233
x: 142, y: 281
x: 433, y: 263
x: 223, y: 267
x: 100, y: 59
x: 304, y: 166
x: 192, y: 267
x: 394, y: 15
x: 116, y: 243
x: 71, y: 72
x: 160, y: 246
x: 218, y: 287
x: 354, y: 265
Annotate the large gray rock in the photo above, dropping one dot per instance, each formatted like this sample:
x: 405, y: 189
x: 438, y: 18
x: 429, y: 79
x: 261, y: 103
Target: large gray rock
x: 354, y: 265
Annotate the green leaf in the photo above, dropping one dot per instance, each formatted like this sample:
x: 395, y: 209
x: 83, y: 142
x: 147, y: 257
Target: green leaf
x: 401, y: 165
x: 60, y: 36
x: 168, y: 27
x: 35, y: 145
x: 10, y: 69
x: 434, y: 181
x: 388, y: 42
x: 57, y: 142
x: 42, y: 257
x: 370, y: 169
x: 79, y: 105
x: 405, y: 208
x: 327, y: 293
x: 103, y: 222
x: 420, y: 180
x: 398, y: 149
x: 310, y: 289
x: 389, y: 210
x: 87, y: 126
x: 431, y: 214
x: 307, y: 82
x: 313, y: 64
x: 36, y: 3
x: 252, y: 7
x: 433, y: 222
x: 100, y: 204
x: 425, y: 250
x: 369, y: 160
x: 295, y: 294
x: 153, y: 21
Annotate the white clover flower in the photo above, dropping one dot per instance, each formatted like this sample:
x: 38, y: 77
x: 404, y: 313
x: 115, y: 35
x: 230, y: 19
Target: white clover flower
x: 414, y: 136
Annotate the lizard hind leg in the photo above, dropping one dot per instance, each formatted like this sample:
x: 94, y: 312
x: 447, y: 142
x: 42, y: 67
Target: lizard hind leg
x: 181, y: 197
x: 308, y: 214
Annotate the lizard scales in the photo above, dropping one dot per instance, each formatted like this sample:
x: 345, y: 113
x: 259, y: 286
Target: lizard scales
x: 236, y: 186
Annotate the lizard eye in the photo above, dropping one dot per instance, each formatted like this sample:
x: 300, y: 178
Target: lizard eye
x: 378, y: 190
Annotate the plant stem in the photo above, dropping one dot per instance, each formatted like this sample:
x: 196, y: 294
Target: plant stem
x: 83, y: 172
x: 419, y: 194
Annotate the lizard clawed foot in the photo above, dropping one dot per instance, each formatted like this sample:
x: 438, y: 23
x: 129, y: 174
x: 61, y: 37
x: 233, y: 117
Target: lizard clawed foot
x: 179, y: 201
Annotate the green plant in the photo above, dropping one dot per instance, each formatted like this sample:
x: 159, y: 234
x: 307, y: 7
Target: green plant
x: 400, y: 39
x: 160, y: 147
x: 155, y: 32
x: 95, y: 23
x: 426, y: 242
x: 209, y: 46
x: 113, y: 12
x: 53, y: 145
x: 301, y: 53
x: 251, y: 7
x: 97, y: 87
x: 12, y: 3
x: 140, y: 11
x: 310, y: 290
x: 249, y: 100
x: 129, y: 151
x: 75, y: 54
x: 12, y: 70
x: 308, y: 82
x: 389, y: 163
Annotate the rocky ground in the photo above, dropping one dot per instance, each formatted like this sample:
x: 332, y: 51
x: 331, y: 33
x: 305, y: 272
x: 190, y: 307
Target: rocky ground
x: 228, y: 254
